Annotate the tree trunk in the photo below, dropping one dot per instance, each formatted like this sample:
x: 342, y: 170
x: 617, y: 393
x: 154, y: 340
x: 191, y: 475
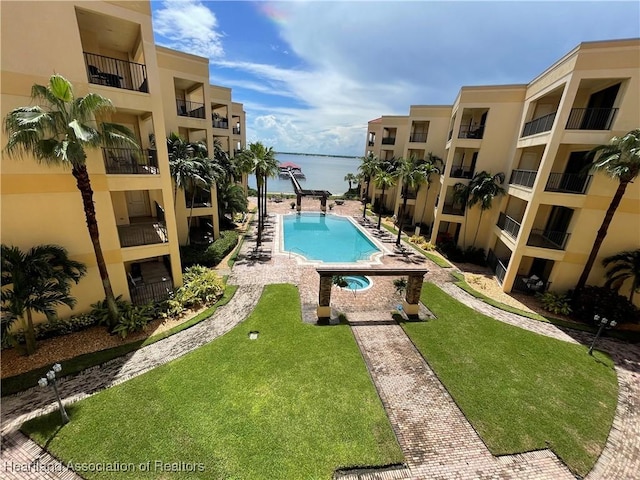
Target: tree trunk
x: 193, y: 197
x: 264, y: 202
x: 30, y: 334
x: 366, y: 195
x: 401, y: 219
x: 259, y: 185
x: 380, y: 208
x: 602, y: 233
x: 475, y: 237
x: 84, y: 185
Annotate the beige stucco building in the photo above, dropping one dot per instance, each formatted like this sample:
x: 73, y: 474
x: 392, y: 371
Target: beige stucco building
x: 108, y: 48
x: 536, y: 134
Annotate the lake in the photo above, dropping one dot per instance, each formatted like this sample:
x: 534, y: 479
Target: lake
x: 323, y: 173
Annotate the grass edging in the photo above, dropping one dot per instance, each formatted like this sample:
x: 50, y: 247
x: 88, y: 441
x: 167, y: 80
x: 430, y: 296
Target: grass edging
x: 72, y: 366
x: 439, y: 261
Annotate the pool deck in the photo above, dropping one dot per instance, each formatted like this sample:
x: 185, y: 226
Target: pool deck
x: 436, y: 439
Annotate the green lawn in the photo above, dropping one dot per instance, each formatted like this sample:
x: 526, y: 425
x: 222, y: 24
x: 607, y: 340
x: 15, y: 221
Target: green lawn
x: 296, y: 403
x: 521, y: 391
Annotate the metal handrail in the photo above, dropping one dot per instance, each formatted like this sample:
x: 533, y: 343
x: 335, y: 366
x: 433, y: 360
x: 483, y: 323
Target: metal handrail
x: 471, y: 131
x: 591, y: 118
x: 568, y: 183
x: 418, y: 137
x: 553, y: 239
x: 113, y: 72
x: 130, y: 161
x: 508, y: 225
x: 526, y: 178
x: 539, y: 125
x: 187, y: 108
x: 149, y: 234
x: 389, y: 141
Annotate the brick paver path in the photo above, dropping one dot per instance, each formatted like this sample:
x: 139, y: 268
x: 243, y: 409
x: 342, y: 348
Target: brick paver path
x: 435, y: 437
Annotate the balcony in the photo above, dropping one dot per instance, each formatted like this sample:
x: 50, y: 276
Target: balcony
x: 452, y: 209
x: 591, y: 118
x: 471, y: 131
x: 190, y: 109
x: 116, y: 73
x: 450, y: 135
x: 236, y: 130
x: 220, y: 123
x: 460, y: 171
x: 498, y: 265
x: 149, y: 282
x: 418, y: 137
x: 524, y: 178
x: 142, y: 234
x: 539, y: 125
x: 568, y: 183
x: 508, y: 225
x: 389, y: 141
x: 130, y: 161
x: 548, y: 239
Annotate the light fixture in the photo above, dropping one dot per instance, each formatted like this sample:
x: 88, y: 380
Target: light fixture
x: 253, y: 335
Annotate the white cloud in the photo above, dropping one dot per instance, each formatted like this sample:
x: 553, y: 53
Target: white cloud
x: 189, y: 26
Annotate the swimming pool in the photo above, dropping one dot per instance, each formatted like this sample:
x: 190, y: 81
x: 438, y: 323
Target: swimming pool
x: 326, y: 238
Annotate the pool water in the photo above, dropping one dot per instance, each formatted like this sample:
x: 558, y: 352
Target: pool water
x: 326, y: 238
x: 357, y: 282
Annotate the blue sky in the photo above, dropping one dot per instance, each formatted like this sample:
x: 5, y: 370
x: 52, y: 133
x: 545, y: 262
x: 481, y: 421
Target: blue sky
x: 311, y: 74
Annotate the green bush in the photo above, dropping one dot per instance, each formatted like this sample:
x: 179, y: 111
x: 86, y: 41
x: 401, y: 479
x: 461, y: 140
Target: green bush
x: 604, y: 302
x: 53, y: 328
x: 100, y: 311
x: 554, y: 302
x: 209, y: 255
x: 134, y: 318
x: 201, y: 286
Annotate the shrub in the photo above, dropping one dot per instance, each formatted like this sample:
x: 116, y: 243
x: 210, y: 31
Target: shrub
x: 53, y: 328
x: 209, y: 255
x: 475, y: 255
x: 101, y: 312
x: 400, y: 285
x: 554, y: 302
x: 604, y: 302
x: 202, y: 286
x: 134, y: 318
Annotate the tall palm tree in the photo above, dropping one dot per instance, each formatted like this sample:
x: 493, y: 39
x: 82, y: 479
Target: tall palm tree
x: 413, y: 175
x: 483, y: 188
x: 368, y: 168
x: 626, y: 265
x: 180, y: 162
x: 59, y: 133
x: 385, y: 177
x: 461, y: 194
x: 350, y: 177
x: 432, y: 166
x: 264, y: 164
x: 36, y: 281
x: 620, y: 160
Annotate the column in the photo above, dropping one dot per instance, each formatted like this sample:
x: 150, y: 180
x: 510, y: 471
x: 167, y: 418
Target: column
x: 298, y: 202
x: 412, y: 298
x: 324, y: 299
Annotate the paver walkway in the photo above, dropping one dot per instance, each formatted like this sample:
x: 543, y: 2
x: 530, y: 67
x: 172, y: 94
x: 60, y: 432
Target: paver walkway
x: 437, y: 440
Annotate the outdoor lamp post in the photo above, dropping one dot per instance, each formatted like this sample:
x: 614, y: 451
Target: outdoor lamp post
x: 50, y: 380
x: 604, y: 323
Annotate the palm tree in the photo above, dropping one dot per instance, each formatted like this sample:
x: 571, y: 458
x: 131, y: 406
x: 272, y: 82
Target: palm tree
x: 264, y: 164
x: 432, y: 166
x: 461, y: 193
x: 350, y: 177
x: 180, y: 162
x: 619, y: 159
x: 59, y: 133
x: 483, y: 188
x: 413, y: 175
x: 36, y: 281
x: 368, y: 168
x: 385, y: 177
x: 626, y: 265
x: 232, y: 198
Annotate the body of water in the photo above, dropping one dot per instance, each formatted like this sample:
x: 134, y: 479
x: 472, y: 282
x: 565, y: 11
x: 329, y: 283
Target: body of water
x: 322, y: 173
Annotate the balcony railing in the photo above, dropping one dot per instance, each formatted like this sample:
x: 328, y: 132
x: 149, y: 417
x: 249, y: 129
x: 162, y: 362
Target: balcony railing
x: 220, y: 123
x: 236, y: 130
x: 525, y: 178
x: 471, y: 131
x: 548, y: 239
x: 460, y: 171
x: 117, y: 73
x: 539, y: 125
x: 130, y: 161
x: 389, y: 141
x: 508, y: 225
x: 568, y: 183
x: 370, y: 143
x: 452, y: 209
x: 190, y: 109
x: 591, y: 118
x: 498, y: 265
x: 418, y: 137
x: 142, y: 294
x: 142, y: 234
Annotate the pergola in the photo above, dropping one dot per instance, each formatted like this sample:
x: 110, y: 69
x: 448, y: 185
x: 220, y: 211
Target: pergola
x: 412, y: 295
